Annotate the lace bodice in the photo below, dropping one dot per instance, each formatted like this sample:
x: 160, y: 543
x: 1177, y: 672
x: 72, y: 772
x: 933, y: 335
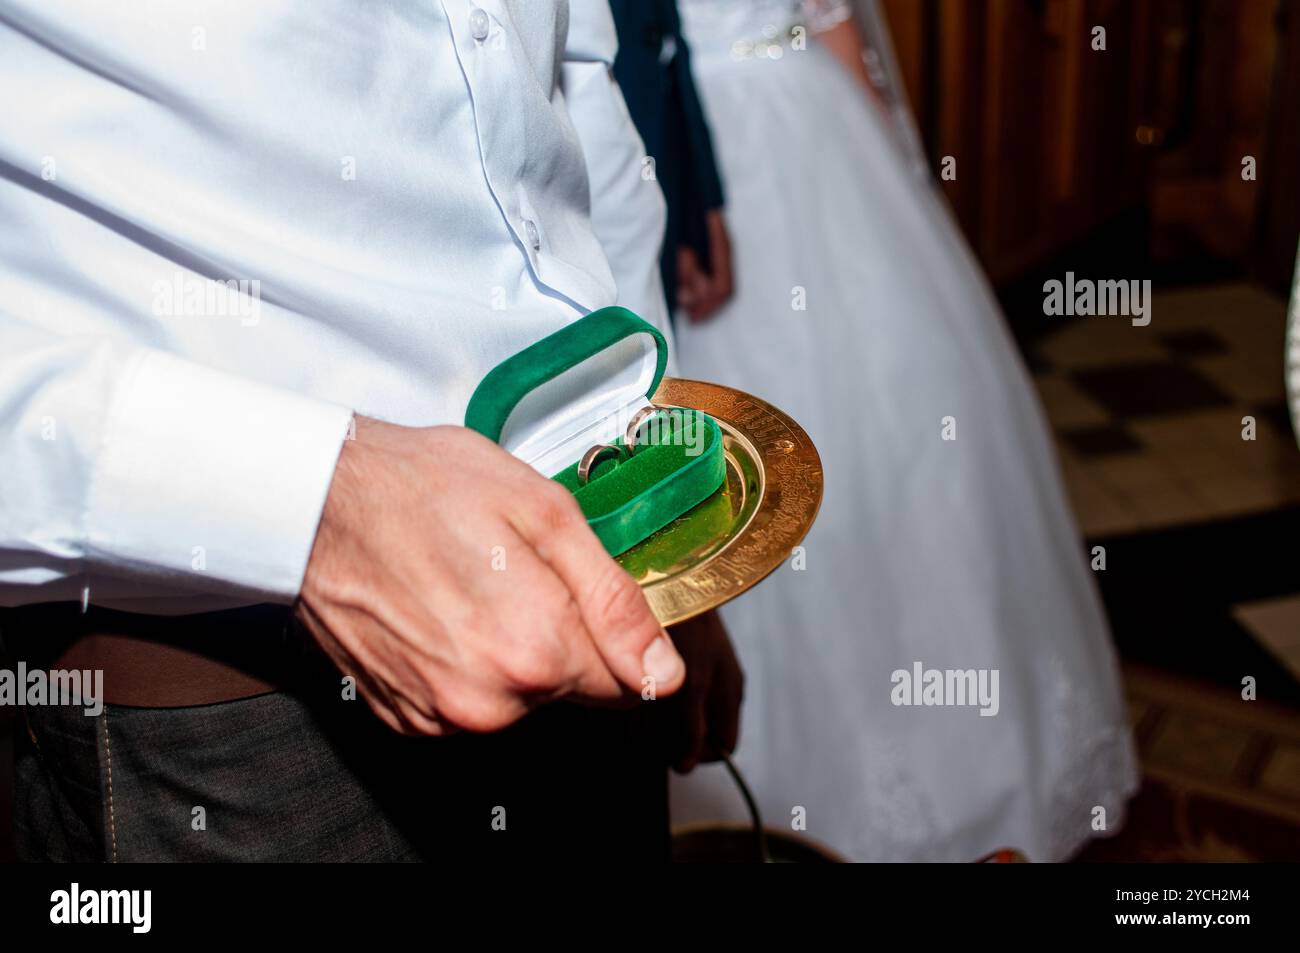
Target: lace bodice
x: 722, y: 31
x: 743, y: 19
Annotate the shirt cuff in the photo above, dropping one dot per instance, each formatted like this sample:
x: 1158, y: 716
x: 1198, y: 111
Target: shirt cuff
x: 211, y: 481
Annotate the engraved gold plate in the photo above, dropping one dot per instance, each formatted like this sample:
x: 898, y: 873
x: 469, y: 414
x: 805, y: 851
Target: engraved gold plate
x: 765, y: 507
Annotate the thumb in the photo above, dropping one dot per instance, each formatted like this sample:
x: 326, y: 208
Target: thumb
x: 630, y: 640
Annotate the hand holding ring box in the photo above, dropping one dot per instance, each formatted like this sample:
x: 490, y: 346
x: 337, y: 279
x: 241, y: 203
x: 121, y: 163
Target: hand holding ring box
x: 702, y: 493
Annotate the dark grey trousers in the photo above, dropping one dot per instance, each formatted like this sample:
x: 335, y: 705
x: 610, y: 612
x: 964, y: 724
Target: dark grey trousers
x: 304, y: 775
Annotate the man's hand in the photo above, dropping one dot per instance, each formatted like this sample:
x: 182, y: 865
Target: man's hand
x: 703, y: 720
x: 701, y: 293
x: 462, y: 589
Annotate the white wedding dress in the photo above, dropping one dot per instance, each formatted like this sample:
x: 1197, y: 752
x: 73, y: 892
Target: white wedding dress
x: 952, y: 553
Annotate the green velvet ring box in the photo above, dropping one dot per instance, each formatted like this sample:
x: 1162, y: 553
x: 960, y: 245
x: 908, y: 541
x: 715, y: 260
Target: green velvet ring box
x: 581, y: 386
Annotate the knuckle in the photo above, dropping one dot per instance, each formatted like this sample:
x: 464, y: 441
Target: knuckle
x: 557, y: 507
x: 621, y: 608
x: 462, y: 613
x: 478, y: 711
x: 535, y: 665
x: 557, y: 612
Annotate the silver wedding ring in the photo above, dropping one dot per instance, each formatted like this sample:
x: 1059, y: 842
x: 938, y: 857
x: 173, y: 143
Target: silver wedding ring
x: 593, y: 456
x: 633, y: 425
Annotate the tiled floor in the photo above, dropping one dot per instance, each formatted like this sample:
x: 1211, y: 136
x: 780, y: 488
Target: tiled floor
x: 1149, y: 426
x: 1149, y: 420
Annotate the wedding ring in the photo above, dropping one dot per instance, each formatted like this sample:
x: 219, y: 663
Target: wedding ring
x: 633, y: 425
x: 593, y: 456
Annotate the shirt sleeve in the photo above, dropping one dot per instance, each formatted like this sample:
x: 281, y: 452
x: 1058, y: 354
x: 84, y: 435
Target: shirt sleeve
x: 628, y: 213
x: 134, y: 463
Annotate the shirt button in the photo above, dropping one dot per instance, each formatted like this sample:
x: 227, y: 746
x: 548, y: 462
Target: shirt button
x: 534, y: 237
x: 478, y: 24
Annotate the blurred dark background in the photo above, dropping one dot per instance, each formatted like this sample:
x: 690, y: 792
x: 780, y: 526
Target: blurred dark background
x: 1059, y: 145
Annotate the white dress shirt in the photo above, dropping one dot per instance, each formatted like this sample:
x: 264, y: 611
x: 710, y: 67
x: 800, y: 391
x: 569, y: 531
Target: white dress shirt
x: 226, y: 227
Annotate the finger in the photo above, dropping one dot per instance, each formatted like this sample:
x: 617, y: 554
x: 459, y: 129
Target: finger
x: 396, y: 712
x: 411, y: 721
x: 720, y: 257
x: 393, y: 710
x: 576, y: 666
x: 703, y: 298
x: 630, y: 640
x: 706, y: 302
x: 694, y: 284
x: 714, y: 299
x: 688, y: 277
x: 482, y: 708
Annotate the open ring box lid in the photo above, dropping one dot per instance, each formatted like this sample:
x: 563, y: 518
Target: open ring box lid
x: 719, y: 491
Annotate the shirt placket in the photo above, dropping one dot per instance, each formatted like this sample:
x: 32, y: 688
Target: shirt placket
x: 480, y: 40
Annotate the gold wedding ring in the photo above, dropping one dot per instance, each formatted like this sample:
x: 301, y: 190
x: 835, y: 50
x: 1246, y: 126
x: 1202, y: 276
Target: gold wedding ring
x: 633, y: 425
x: 593, y: 456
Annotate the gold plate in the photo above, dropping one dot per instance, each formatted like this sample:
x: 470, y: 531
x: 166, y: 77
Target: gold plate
x: 764, y: 508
